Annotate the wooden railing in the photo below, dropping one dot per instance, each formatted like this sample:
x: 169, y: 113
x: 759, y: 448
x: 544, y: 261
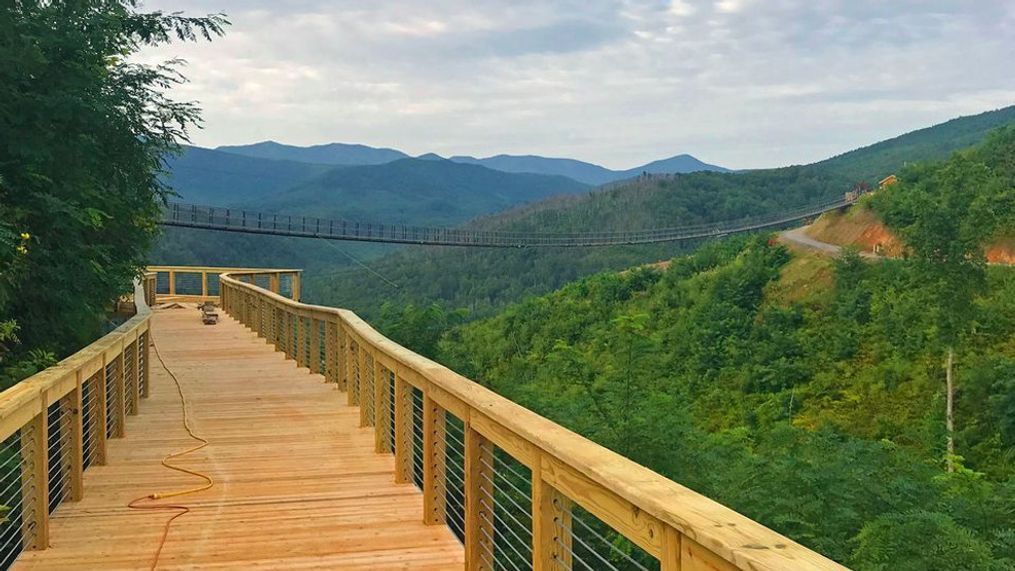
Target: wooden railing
x: 55, y: 424
x: 520, y: 491
x: 201, y: 283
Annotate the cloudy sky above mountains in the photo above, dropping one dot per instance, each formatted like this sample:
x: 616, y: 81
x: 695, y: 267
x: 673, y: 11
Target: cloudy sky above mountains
x: 741, y: 83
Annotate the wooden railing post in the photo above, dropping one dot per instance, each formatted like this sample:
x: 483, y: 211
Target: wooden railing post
x: 287, y: 332
x: 35, y: 480
x: 119, y: 396
x: 301, y: 342
x: 479, y: 529
x: 315, y: 346
x: 99, y: 416
x: 403, y: 431
x: 551, y: 525
x: 296, y: 286
x: 434, y: 462
x: 292, y: 336
x: 147, y: 369
x: 670, y: 560
x: 341, y: 357
x: 134, y: 376
x: 352, y: 391
x: 365, y: 393
x: 72, y: 436
x: 273, y: 282
x: 382, y: 408
x: 276, y: 326
x: 204, y: 284
x: 172, y: 282
x: 331, y: 351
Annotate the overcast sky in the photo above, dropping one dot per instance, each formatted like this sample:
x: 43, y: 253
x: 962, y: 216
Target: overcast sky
x: 741, y: 83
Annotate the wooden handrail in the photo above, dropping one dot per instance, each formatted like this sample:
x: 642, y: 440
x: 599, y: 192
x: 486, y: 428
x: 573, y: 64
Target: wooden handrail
x: 677, y: 526
x: 203, y: 292
x: 114, y: 371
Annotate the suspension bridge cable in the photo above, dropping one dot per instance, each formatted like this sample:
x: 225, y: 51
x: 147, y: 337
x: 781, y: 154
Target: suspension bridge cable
x: 242, y: 221
x: 364, y: 266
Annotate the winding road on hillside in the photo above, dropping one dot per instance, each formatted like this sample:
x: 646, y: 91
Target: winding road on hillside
x: 799, y: 237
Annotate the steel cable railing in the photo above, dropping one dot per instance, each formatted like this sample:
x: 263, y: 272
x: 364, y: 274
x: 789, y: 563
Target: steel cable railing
x: 517, y: 490
x: 226, y: 219
x: 55, y: 424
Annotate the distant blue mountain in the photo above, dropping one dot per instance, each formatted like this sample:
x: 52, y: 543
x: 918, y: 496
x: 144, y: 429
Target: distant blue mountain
x: 329, y: 154
x: 207, y: 176
x: 587, y: 172
x: 352, y: 155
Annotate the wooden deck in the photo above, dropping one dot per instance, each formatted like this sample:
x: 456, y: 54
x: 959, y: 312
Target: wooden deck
x: 298, y: 485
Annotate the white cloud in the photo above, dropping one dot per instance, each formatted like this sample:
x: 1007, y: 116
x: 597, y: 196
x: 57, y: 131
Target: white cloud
x: 620, y: 82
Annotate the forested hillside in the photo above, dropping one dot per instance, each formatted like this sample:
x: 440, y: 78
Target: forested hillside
x: 410, y: 191
x: 204, y: 176
x: 483, y: 280
x: 415, y: 191
x: 805, y: 392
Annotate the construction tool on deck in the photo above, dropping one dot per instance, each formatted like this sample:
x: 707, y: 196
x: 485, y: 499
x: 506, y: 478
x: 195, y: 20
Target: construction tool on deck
x: 208, y: 314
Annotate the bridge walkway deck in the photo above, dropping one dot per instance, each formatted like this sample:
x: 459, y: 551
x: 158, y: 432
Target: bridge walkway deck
x: 298, y: 484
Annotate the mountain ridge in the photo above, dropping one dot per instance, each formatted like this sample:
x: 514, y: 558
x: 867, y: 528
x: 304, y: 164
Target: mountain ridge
x: 334, y: 154
x: 354, y: 154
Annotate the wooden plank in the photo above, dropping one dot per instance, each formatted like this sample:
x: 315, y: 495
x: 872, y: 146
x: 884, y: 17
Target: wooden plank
x: 434, y: 462
x: 382, y: 409
x: 551, y: 526
x: 352, y: 391
x: 99, y: 398
x: 449, y: 402
x: 315, y: 345
x: 403, y: 431
x: 298, y: 483
x: 643, y: 529
x: 670, y: 560
x: 146, y: 370
x: 72, y: 409
x: 695, y: 557
x: 341, y: 357
x: 479, y: 501
x: 365, y: 375
x: 134, y: 376
x: 330, y: 352
x: 35, y: 482
x: 517, y: 447
x: 119, y: 396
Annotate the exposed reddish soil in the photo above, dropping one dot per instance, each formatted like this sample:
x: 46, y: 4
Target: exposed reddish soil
x: 859, y: 226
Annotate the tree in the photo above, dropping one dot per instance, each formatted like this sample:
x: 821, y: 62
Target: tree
x: 897, y: 542
x: 83, y: 134
x: 945, y: 214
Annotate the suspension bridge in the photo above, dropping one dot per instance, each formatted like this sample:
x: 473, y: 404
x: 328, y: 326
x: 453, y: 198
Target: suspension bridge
x: 251, y: 222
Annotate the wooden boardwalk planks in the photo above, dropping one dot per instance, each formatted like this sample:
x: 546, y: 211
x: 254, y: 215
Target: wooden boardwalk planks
x: 298, y: 485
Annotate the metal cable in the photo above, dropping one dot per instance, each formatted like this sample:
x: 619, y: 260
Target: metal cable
x: 194, y: 216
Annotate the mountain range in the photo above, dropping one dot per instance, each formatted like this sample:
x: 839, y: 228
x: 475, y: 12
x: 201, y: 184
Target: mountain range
x: 343, y: 154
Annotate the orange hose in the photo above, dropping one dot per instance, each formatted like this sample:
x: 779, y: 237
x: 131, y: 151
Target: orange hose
x: 209, y: 482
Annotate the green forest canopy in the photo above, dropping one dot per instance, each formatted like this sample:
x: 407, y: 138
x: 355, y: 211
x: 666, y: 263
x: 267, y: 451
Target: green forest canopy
x: 83, y: 133
x: 803, y: 392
